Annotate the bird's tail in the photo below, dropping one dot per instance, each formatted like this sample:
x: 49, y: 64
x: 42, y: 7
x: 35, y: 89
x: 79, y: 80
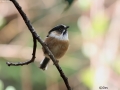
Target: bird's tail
x: 44, y: 63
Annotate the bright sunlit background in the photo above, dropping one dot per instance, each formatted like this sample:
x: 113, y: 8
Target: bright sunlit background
x: 93, y: 59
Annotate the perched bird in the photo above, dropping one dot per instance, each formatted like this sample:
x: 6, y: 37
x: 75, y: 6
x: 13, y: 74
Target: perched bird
x: 58, y: 43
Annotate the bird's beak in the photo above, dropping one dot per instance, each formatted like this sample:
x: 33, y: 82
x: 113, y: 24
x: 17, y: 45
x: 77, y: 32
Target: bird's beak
x: 67, y: 27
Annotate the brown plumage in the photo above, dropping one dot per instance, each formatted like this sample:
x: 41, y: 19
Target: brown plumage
x: 58, y: 43
x: 56, y: 46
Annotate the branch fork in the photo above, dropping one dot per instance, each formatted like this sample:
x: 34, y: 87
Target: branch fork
x: 36, y: 38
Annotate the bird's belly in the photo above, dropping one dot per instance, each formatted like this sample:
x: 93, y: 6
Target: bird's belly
x: 59, y: 51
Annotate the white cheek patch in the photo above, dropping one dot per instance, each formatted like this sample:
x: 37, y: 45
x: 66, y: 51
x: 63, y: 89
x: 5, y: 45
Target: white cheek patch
x: 63, y: 31
x: 60, y: 37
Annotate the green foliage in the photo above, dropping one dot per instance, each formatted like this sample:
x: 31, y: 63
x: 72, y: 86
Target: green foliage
x: 84, y: 4
x: 99, y: 24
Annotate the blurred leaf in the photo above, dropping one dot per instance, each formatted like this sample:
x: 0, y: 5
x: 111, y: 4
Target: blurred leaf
x: 99, y: 24
x: 87, y: 77
x: 70, y: 2
x: 84, y: 4
x: 10, y: 88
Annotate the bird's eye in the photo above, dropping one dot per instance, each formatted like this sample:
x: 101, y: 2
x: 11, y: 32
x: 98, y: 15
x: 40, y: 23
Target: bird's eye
x: 60, y: 30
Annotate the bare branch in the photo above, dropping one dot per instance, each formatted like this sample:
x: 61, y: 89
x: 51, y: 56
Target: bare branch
x: 36, y: 36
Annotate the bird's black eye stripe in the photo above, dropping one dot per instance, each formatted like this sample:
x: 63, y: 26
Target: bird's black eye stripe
x: 60, y: 30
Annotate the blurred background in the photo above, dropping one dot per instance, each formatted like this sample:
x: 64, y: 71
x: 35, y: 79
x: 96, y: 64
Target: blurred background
x: 93, y: 59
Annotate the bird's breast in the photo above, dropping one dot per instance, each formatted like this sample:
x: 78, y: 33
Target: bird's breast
x: 57, y: 47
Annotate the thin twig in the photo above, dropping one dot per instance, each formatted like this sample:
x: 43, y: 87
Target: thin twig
x: 29, y: 61
x: 35, y: 35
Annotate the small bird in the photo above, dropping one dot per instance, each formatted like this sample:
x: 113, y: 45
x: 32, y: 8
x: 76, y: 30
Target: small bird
x: 58, y: 43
